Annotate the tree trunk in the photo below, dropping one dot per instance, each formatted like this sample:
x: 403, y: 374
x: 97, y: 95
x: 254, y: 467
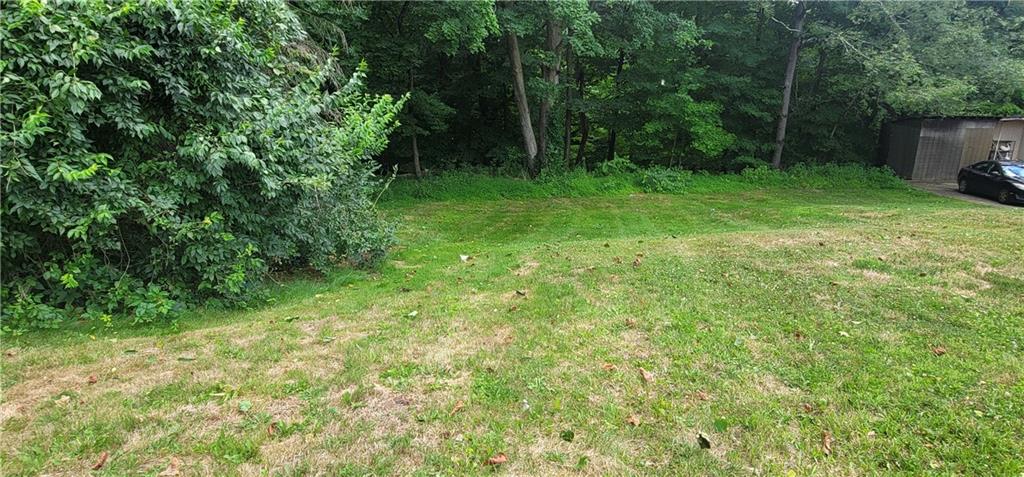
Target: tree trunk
x: 415, y: 145
x: 416, y: 158
x: 787, y: 85
x: 567, y: 130
x: 550, y: 72
x: 519, y: 89
x: 611, y: 131
x: 581, y: 153
x: 819, y: 71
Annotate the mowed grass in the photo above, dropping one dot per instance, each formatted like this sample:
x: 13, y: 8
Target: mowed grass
x: 887, y: 322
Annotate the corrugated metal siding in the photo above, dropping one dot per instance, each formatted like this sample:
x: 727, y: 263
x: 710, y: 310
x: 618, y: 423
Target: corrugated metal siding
x: 977, y: 144
x: 941, y: 147
x: 903, y: 138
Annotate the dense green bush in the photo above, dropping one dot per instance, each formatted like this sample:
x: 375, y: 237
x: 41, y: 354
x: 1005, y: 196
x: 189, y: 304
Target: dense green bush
x: 664, y: 179
x: 160, y: 152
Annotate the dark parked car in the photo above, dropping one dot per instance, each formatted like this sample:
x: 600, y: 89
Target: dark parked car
x: 1003, y: 180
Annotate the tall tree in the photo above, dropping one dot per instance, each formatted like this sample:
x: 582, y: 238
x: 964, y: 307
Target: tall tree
x: 522, y: 104
x: 550, y: 71
x: 787, y: 85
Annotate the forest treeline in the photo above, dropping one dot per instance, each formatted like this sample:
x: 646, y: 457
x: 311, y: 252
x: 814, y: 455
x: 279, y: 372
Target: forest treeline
x: 531, y: 85
x: 158, y: 154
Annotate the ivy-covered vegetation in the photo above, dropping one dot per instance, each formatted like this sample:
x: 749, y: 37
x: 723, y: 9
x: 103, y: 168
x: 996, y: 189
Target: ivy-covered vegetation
x: 159, y: 153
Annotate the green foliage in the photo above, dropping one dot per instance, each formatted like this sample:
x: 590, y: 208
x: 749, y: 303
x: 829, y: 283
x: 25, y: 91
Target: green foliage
x: 157, y: 153
x: 618, y: 165
x: 468, y: 185
x: 664, y: 179
x: 948, y: 58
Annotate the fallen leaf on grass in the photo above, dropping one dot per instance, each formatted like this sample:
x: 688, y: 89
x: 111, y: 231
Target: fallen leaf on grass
x: 647, y: 375
x: 92, y: 379
x: 703, y: 396
x: 633, y: 420
x: 826, y: 442
x: 458, y: 407
x: 172, y: 468
x: 272, y: 428
x: 637, y: 261
x: 703, y: 442
x: 608, y: 367
x: 497, y: 459
x: 101, y: 462
x: 938, y: 351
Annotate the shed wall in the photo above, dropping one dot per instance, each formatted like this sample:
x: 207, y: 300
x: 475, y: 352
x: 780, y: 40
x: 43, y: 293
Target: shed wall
x: 941, y: 147
x: 903, y: 137
x: 977, y: 144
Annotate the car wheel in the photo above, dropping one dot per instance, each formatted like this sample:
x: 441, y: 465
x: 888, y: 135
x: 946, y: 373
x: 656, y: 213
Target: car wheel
x: 1004, y: 196
x: 962, y: 186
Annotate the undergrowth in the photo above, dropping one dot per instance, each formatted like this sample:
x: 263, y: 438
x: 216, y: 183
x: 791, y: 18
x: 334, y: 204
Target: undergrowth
x: 611, y: 181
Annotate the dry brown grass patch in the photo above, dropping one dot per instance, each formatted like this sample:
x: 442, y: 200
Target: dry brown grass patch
x: 526, y: 268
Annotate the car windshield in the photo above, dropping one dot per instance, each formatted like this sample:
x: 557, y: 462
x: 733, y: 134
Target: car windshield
x: 1013, y: 171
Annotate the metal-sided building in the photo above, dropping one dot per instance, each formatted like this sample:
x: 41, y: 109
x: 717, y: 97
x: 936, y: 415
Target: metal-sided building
x: 936, y: 148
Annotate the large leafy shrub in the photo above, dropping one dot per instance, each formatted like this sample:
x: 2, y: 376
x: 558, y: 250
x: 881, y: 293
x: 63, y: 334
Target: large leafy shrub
x: 161, y: 152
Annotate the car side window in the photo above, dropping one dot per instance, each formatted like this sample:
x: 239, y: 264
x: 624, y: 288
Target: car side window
x: 983, y: 167
x: 996, y: 170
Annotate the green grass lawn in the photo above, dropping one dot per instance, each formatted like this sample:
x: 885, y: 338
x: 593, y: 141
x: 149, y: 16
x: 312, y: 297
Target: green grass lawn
x: 588, y: 335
